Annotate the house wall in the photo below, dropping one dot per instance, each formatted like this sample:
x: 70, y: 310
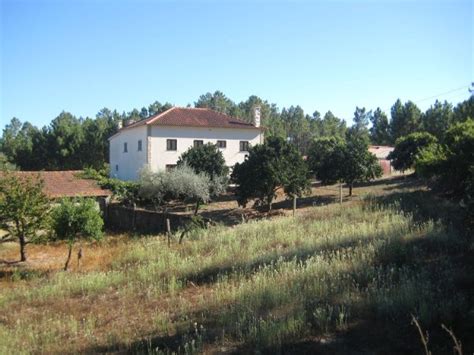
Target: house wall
x: 185, y: 136
x: 130, y: 163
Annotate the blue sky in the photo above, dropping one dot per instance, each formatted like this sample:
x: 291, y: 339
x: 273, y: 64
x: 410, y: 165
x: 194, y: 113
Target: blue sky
x: 80, y: 56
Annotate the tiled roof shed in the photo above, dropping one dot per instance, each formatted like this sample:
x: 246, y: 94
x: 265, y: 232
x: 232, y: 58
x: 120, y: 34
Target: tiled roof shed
x: 58, y: 184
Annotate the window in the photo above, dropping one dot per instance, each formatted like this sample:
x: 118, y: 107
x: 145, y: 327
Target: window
x: 125, y: 149
x: 140, y: 145
x: 198, y: 143
x: 221, y: 144
x: 171, y: 144
x: 244, y: 146
x: 116, y: 167
x: 170, y: 167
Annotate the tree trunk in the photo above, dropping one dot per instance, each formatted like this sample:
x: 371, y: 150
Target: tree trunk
x: 22, y: 248
x: 351, y: 185
x: 68, y: 257
x: 198, y: 203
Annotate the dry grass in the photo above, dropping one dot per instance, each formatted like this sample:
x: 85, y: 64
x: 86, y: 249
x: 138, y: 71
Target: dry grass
x: 351, y: 274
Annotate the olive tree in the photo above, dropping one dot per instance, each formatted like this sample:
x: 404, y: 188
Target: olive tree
x: 23, y: 208
x: 76, y: 219
x: 182, y: 183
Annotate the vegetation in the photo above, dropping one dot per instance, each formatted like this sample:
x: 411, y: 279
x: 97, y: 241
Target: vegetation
x: 267, y: 168
x: 23, y: 209
x: 407, y: 148
x: 335, y: 160
x: 329, y: 280
x: 70, y: 142
x: 205, y: 159
x: 182, y: 183
x: 74, y: 219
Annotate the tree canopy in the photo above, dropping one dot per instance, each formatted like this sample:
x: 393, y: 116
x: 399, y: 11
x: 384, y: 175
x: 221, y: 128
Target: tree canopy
x: 206, y: 158
x: 268, y: 167
x: 404, y: 155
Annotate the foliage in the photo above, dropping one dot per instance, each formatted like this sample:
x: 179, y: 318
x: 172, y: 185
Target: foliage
x: 268, y: 167
x: 407, y: 148
x: 23, y: 208
x: 182, y: 183
x: 437, y: 119
x: 451, y: 163
x: 326, y: 159
x: 359, y: 164
x: 71, y: 142
x: 205, y: 159
x: 126, y: 192
x: 5, y: 164
x: 406, y: 119
x: 75, y: 219
x: 380, y: 130
x: 349, y: 161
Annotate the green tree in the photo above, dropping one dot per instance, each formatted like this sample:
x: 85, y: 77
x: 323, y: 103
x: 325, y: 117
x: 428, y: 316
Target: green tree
x: 326, y: 159
x: 332, y: 126
x: 361, y: 121
x: 268, y: 167
x: 206, y: 158
x: 182, y: 183
x: 404, y: 155
x: 437, y: 119
x: 23, y: 208
x: 218, y: 102
x: 333, y: 159
x: 451, y: 162
x: 76, y: 219
x: 380, y: 130
x: 297, y: 127
x: 359, y: 164
x: 406, y: 119
x: 464, y: 110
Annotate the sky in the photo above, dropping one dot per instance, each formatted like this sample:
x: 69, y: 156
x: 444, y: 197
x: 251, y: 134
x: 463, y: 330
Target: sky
x: 81, y: 56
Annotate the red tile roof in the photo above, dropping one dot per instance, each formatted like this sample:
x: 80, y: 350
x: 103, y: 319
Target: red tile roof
x: 65, y: 183
x: 193, y: 117
x: 380, y: 151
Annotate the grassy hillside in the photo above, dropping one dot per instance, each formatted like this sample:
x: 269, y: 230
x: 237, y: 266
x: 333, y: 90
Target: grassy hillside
x: 337, y: 280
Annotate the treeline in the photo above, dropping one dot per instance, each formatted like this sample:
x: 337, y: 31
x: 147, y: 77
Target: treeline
x: 71, y: 142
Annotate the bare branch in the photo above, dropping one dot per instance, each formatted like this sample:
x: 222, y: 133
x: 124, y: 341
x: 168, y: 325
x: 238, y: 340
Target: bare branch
x: 424, y: 337
x: 457, y: 344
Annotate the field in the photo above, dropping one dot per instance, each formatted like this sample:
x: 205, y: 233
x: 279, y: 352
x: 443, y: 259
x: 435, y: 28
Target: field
x: 334, y: 279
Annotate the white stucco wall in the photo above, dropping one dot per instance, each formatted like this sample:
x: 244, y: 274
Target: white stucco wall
x: 130, y: 163
x: 185, y: 136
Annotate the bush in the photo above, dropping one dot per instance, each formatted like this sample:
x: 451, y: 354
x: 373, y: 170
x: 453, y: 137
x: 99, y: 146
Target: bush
x: 74, y: 219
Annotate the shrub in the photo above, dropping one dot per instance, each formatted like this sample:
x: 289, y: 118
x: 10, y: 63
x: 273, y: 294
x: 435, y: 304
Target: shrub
x: 74, y: 219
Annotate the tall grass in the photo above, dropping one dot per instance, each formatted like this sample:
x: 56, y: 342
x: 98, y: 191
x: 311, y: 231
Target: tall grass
x: 260, y: 284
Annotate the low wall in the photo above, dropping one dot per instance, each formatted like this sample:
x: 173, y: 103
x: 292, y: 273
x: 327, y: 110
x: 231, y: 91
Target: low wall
x: 124, y: 219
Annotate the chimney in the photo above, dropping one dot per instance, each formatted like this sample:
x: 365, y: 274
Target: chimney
x: 129, y: 122
x: 119, y: 124
x: 256, y: 116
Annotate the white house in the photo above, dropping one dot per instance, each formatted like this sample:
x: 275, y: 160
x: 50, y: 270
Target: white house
x: 158, y: 141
